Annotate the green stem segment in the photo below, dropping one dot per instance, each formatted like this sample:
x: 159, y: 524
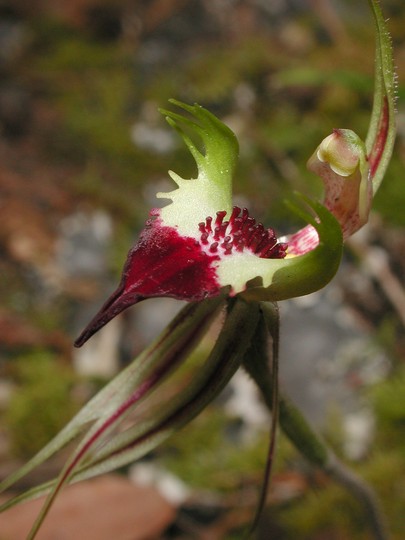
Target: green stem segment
x: 302, y: 435
x: 260, y: 335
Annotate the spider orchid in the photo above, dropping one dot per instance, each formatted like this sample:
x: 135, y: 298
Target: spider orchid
x: 202, y: 249
x: 199, y: 244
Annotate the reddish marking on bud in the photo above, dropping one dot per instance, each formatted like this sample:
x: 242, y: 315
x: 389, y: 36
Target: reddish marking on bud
x: 379, y: 144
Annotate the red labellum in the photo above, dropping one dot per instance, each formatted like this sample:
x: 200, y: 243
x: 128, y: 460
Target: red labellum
x: 164, y: 264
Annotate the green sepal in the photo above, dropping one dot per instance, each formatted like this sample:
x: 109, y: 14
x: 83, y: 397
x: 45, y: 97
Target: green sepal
x: 147, y: 433
x: 207, y: 382
x: 176, y: 341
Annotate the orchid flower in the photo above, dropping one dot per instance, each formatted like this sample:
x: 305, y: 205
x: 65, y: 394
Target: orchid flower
x: 199, y: 244
x: 202, y: 249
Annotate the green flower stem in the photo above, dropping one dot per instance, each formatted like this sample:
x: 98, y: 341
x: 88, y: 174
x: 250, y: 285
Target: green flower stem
x: 261, y: 331
x: 300, y: 433
x: 361, y: 491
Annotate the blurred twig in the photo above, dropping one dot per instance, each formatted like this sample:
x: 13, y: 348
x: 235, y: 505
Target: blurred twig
x: 375, y: 262
x: 331, y: 21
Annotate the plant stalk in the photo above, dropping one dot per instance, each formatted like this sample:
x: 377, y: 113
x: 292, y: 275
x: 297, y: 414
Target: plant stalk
x: 303, y: 436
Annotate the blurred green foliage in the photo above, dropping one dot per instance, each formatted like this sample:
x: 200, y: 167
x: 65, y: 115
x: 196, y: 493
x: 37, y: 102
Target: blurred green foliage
x: 389, y: 409
x: 41, y: 404
x: 207, y: 452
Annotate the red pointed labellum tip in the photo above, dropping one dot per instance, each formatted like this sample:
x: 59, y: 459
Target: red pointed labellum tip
x: 161, y: 264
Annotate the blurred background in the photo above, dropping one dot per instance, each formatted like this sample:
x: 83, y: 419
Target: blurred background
x: 83, y: 150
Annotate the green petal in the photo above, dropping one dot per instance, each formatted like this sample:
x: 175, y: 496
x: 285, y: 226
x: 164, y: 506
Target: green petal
x: 211, y: 191
x: 207, y: 382
x: 119, y: 449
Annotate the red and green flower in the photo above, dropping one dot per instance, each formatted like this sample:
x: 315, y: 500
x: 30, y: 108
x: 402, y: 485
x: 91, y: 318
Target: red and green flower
x: 202, y: 249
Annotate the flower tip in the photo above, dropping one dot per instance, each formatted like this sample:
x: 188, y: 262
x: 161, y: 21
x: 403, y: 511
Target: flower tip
x: 84, y: 336
x: 117, y: 302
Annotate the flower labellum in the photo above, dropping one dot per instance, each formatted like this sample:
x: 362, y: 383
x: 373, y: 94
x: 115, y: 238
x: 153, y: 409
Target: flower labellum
x: 199, y: 244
